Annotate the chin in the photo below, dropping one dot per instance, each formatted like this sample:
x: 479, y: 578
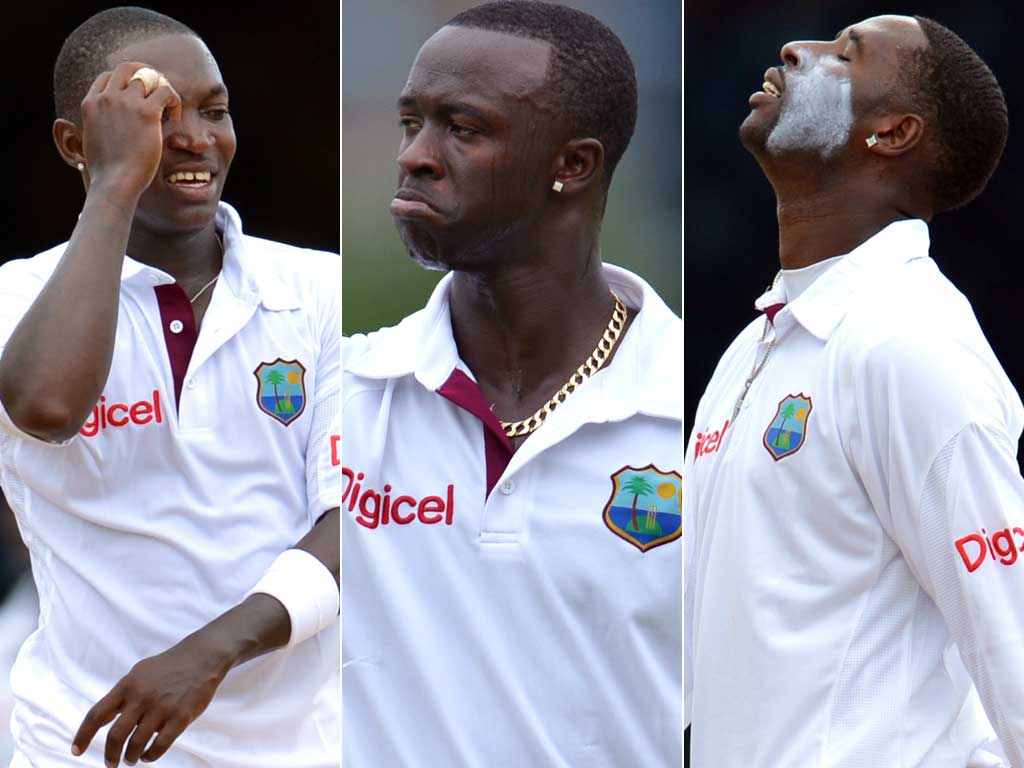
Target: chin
x: 754, y: 133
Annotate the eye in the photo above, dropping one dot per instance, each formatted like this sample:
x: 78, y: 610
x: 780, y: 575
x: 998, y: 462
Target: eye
x: 462, y: 130
x: 216, y: 114
x: 409, y: 124
x: 842, y: 57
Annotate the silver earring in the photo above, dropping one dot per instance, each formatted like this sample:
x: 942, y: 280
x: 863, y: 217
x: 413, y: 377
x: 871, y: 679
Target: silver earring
x: 871, y: 140
x: 81, y: 166
x: 557, y: 186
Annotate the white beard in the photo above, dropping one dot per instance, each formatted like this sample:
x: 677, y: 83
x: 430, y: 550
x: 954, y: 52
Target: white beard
x: 818, y: 113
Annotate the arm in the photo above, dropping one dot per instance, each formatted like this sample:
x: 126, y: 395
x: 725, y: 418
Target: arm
x: 164, y: 694
x: 939, y: 462
x: 57, y: 359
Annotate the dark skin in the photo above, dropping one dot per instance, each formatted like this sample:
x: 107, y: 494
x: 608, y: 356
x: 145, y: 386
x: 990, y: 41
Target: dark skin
x: 481, y: 148
x: 130, y: 144
x: 827, y: 207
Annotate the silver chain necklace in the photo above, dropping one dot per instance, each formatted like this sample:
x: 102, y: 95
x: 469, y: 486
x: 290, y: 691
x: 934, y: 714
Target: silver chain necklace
x: 757, y: 367
x: 214, y: 280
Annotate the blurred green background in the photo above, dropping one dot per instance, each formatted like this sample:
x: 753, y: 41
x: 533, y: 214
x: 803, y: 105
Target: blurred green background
x: 642, y: 227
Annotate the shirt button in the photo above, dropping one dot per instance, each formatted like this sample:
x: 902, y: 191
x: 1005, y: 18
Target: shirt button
x: 176, y: 326
x: 191, y: 383
x: 507, y: 487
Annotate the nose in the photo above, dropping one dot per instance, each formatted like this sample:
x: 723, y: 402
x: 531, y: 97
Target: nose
x: 419, y: 155
x: 189, y: 133
x: 797, y: 53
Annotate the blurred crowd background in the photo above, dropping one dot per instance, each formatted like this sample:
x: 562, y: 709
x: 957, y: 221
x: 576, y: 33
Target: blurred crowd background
x: 281, y: 68
x: 380, y: 39
x: 730, y: 240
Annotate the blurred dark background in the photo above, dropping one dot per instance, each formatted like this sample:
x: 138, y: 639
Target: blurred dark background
x: 642, y: 223
x: 281, y: 66
x: 730, y: 230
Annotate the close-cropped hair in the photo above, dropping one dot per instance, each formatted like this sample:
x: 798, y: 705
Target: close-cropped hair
x: 591, y: 78
x: 964, y: 109
x: 85, y: 53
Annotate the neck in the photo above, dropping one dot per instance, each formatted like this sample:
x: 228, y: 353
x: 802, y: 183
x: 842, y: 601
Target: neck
x: 816, y: 227
x: 523, y: 328
x: 191, y: 259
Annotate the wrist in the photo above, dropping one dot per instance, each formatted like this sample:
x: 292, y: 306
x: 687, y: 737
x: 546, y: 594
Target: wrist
x: 116, y: 192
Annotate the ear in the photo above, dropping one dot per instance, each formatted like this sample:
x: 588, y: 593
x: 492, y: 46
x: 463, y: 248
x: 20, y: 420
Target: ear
x: 579, y: 166
x: 896, y: 135
x: 68, y: 138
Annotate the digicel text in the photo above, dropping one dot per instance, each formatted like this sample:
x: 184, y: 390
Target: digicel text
x: 380, y: 509
x: 709, y: 442
x: 974, y: 548
x: 116, y: 415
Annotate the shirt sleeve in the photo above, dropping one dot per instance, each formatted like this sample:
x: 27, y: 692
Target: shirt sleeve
x: 969, y: 550
x: 934, y: 446
x: 323, y: 453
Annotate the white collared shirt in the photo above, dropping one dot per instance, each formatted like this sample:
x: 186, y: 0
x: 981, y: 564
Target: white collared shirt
x: 525, y: 626
x: 158, y: 517
x: 854, y: 532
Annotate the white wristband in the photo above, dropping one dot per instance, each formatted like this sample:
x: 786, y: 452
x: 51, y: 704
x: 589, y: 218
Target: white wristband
x: 307, y: 590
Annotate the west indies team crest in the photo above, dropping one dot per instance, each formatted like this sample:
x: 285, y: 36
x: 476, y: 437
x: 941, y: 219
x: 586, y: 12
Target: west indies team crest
x: 786, y: 432
x: 282, y: 389
x: 646, y: 506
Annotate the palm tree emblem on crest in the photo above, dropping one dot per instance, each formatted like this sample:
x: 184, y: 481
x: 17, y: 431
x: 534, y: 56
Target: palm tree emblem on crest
x: 282, y: 389
x: 659, y: 493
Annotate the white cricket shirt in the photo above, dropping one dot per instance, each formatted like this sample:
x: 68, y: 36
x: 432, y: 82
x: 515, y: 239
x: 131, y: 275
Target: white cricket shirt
x: 854, y: 532
x: 160, y: 515
x: 502, y: 609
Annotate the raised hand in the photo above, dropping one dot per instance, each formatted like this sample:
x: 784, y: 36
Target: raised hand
x: 123, y: 129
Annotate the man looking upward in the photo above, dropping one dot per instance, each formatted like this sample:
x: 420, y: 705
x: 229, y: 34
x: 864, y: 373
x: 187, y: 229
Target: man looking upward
x: 511, y: 494
x: 856, y: 515
x: 169, y: 386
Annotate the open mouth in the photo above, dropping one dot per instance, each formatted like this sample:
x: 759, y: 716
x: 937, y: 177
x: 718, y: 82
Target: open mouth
x: 192, y: 179
x: 771, y: 90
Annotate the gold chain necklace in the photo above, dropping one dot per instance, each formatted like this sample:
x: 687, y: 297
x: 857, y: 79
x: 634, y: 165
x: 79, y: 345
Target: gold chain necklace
x: 590, y: 366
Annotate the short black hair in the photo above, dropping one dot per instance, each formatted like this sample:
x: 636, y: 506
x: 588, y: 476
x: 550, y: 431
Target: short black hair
x: 591, y: 76
x: 962, y: 103
x: 84, y: 54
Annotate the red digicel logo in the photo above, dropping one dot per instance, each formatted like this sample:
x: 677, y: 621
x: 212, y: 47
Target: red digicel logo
x: 975, y: 548
x: 380, y: 509
x: 117, y: 415
x: 709, y: 442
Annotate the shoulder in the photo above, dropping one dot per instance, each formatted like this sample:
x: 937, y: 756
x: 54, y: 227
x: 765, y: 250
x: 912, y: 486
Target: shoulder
x: 915, y: 343
x: 307, y: 270
x: 34, y: 269
x: 387, y: 352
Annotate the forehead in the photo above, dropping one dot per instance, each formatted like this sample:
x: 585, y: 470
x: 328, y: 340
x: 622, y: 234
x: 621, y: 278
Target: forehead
x: 183, y: 59
x: 492, y: 65
x: 888, y: 34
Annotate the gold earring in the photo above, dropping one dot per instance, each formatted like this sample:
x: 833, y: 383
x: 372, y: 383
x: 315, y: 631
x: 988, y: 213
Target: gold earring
x: 557, y: 186
x: 871, y: 140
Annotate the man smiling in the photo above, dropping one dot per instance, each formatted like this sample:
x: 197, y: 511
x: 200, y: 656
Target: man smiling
x: 169, y: 386
x: 855, y: 508
x: 511, y: 493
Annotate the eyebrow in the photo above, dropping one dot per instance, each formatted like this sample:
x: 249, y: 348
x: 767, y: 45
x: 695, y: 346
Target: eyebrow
x: 408, y: 101
x: 217, y: 90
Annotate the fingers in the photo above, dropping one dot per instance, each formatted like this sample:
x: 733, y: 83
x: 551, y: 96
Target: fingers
x: 168, y: 99
x: 102, y: 712
x: 143, y: 733
x: 118, y: 734
x: 171, y: 730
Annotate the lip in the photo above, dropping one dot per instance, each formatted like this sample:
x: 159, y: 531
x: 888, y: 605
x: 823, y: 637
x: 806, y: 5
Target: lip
x: 774, y: 76
x: 190, y: 191
x: 410, y: 204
